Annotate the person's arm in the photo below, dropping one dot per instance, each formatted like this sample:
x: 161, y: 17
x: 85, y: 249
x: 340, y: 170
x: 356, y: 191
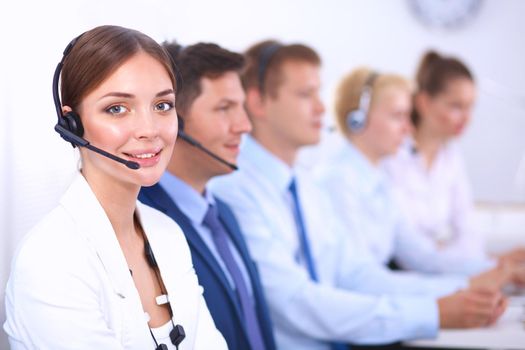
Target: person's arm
x: 415, y: 251
x: 360, y: 270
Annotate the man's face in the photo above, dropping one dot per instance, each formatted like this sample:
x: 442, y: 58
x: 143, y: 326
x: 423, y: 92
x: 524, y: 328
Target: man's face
x: 294, y: 114
x: 217, y: 119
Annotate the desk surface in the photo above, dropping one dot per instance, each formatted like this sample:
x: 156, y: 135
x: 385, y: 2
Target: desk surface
x: 507, y: 333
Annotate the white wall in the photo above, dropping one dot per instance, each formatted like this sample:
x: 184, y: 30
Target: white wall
x: 36, y: 165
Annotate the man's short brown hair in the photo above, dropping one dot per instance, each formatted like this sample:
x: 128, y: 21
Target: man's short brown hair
x: 202, y: 60
x: 265, y: 59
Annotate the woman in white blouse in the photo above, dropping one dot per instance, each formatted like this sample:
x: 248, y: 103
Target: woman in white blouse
x: 103, y: 271
x: 428, y: 172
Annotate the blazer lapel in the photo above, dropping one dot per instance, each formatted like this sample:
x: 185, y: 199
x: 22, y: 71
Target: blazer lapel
x: 162, y: 201
x: 98, y: 231
x: 95, y: 226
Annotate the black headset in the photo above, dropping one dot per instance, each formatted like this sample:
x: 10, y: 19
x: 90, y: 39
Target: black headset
x: 68, y: 125
x: 265, y: 57
x: 190, y: 140
x: 356, y: 119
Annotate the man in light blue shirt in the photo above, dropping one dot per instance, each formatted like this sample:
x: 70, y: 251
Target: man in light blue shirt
x: 321, y: 290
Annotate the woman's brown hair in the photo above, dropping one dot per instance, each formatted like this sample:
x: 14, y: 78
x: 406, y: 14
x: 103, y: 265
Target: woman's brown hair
x: 99, y: 52
x: 433, y: 74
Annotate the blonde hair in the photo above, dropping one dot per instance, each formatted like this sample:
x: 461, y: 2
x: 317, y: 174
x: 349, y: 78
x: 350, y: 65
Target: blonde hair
x: 351, y: 86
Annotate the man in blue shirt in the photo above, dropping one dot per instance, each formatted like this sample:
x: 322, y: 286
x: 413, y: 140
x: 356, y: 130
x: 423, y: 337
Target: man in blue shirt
x: 323, y: 290
x: 211, y: 121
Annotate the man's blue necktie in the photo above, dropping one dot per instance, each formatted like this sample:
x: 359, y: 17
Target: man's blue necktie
x: 305, y: 245
x: 220, y: 238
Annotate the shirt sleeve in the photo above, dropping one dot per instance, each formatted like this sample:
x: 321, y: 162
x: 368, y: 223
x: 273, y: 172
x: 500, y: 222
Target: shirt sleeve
x: 360, y: 269
x: 418, y: 252
x: 361, y: 272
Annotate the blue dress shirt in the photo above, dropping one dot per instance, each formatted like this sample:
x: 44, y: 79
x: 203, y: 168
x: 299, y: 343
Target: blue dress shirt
x: 355, y: 300
x: 194, y: 205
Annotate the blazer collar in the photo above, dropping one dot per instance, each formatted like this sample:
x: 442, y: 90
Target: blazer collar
x: 94, y: 224
x: 162, y: 201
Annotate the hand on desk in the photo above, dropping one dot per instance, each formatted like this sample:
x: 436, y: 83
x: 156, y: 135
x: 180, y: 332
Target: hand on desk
x: 507, y: 272
x: 474, y: 307
x: 515, y: 261
x: 516, y: 256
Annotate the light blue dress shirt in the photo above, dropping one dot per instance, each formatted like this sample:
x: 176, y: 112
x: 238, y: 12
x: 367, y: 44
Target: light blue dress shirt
x: 356, y: 300
x: 195, y: 205
x: 363, y: 200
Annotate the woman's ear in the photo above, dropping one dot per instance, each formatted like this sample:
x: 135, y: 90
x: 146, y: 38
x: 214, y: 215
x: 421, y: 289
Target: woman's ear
x: 66, y: 109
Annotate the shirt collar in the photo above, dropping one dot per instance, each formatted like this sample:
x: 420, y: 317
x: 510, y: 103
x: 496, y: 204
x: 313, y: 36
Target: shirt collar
x: 193, y: 204
x: 369, y: 175
x: 268, y: 165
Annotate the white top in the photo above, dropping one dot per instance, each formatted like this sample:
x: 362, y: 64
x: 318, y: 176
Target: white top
x: 162, y: 335
x: 364, y: 202
x: 70, y: 286
x: 356, y: 300
x: 437, y: 202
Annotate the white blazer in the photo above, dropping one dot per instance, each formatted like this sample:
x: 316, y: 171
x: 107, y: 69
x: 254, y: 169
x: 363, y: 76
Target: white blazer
x: 70, y: 286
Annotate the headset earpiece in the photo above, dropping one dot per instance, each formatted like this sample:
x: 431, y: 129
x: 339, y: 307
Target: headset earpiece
x: 356, y: 119
x: 70, y: 127
x: 74, y: 124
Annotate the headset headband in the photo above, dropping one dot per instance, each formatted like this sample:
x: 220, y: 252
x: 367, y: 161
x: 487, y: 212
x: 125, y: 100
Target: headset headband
x: 264, y: 59
x: 56, y: 77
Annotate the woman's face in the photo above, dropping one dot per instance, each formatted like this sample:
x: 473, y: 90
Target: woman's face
x: 132, y: 115
x: 448, y: 113
x: 388, y: 122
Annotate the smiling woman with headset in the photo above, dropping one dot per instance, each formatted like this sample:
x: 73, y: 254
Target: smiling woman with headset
x: 103, y: 271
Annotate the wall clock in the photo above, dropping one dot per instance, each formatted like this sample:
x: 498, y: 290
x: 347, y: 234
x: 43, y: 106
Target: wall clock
x: 445, y: 13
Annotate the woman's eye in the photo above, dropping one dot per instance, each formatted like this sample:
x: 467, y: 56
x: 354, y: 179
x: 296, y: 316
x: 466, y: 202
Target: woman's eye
x: 164, y: 106
x: 116, y: 110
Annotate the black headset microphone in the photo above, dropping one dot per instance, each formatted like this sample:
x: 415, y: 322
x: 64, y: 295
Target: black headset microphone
x: 69, y: 125
x: 181, y: 134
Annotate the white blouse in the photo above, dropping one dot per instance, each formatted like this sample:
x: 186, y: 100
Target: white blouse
x: 437, y: 202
